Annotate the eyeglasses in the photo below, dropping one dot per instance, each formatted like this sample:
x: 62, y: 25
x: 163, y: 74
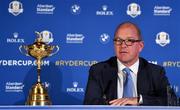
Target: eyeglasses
x: 128, y: 42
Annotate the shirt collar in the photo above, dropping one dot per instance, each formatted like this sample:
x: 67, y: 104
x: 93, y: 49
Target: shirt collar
x: 133, y: 67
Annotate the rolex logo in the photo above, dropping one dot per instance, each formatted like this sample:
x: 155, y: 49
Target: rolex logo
x: 75, y: 84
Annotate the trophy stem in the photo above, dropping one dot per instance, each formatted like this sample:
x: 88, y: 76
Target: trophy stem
x: 38, y: 69
x: 39, y: 77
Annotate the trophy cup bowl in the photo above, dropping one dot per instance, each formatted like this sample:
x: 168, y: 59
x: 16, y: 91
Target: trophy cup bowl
x: 38, y: 94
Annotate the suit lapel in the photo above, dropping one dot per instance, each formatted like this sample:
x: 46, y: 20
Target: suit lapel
x: 111, y: 79
x: 113, y: 92
x: 141, y: 76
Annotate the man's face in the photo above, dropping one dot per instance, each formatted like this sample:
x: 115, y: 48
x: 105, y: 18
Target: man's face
x: 128, y: 54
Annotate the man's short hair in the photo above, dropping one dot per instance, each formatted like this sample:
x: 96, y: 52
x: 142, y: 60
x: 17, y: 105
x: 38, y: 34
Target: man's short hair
x: 128, y: 23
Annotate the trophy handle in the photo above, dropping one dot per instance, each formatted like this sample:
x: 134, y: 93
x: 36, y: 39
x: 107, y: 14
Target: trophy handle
x: 39, y: 37
x: 57, y: 49
x: 23, y: 50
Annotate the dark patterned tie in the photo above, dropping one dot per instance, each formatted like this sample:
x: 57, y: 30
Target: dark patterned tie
x: 128, y: 83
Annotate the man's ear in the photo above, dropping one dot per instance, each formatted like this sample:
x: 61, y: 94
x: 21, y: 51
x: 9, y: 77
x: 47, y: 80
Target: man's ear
x: 141, y: 46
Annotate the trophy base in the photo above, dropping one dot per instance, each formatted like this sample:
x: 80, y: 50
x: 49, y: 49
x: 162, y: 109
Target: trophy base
x: 38, y: 96
x: 40, y: 103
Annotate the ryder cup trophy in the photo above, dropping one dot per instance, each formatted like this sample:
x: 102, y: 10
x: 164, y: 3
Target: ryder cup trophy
x: 38, y: 94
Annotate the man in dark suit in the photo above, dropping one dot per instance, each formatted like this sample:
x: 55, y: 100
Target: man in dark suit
x: 108, y: 81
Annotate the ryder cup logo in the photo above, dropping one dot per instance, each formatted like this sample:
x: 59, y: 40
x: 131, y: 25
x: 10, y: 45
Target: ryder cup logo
x: 47, y: 36
x: 133, y: 10
x: 15, y: 7
x: 75, y: 9
x: 162, y: 38
x: 104, y: 38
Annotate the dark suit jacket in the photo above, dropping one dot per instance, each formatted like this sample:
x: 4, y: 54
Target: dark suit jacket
x: 102, y: 83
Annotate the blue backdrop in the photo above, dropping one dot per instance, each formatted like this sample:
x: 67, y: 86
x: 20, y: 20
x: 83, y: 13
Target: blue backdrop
x: 83, y: 29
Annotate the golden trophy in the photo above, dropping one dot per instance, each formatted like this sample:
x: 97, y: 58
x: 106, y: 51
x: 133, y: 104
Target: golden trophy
x: 38, y: 94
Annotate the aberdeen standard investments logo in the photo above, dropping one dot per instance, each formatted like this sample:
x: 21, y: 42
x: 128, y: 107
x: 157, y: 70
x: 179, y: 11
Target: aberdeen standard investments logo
x: 162, y: 10
x: 14, y: 87
x: 133, y: 10
x: 74, y: 38
x: 45, y: 9
x: 15, y: 7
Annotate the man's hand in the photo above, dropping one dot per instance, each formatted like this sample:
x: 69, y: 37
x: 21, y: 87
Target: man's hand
x: 125, y: 101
